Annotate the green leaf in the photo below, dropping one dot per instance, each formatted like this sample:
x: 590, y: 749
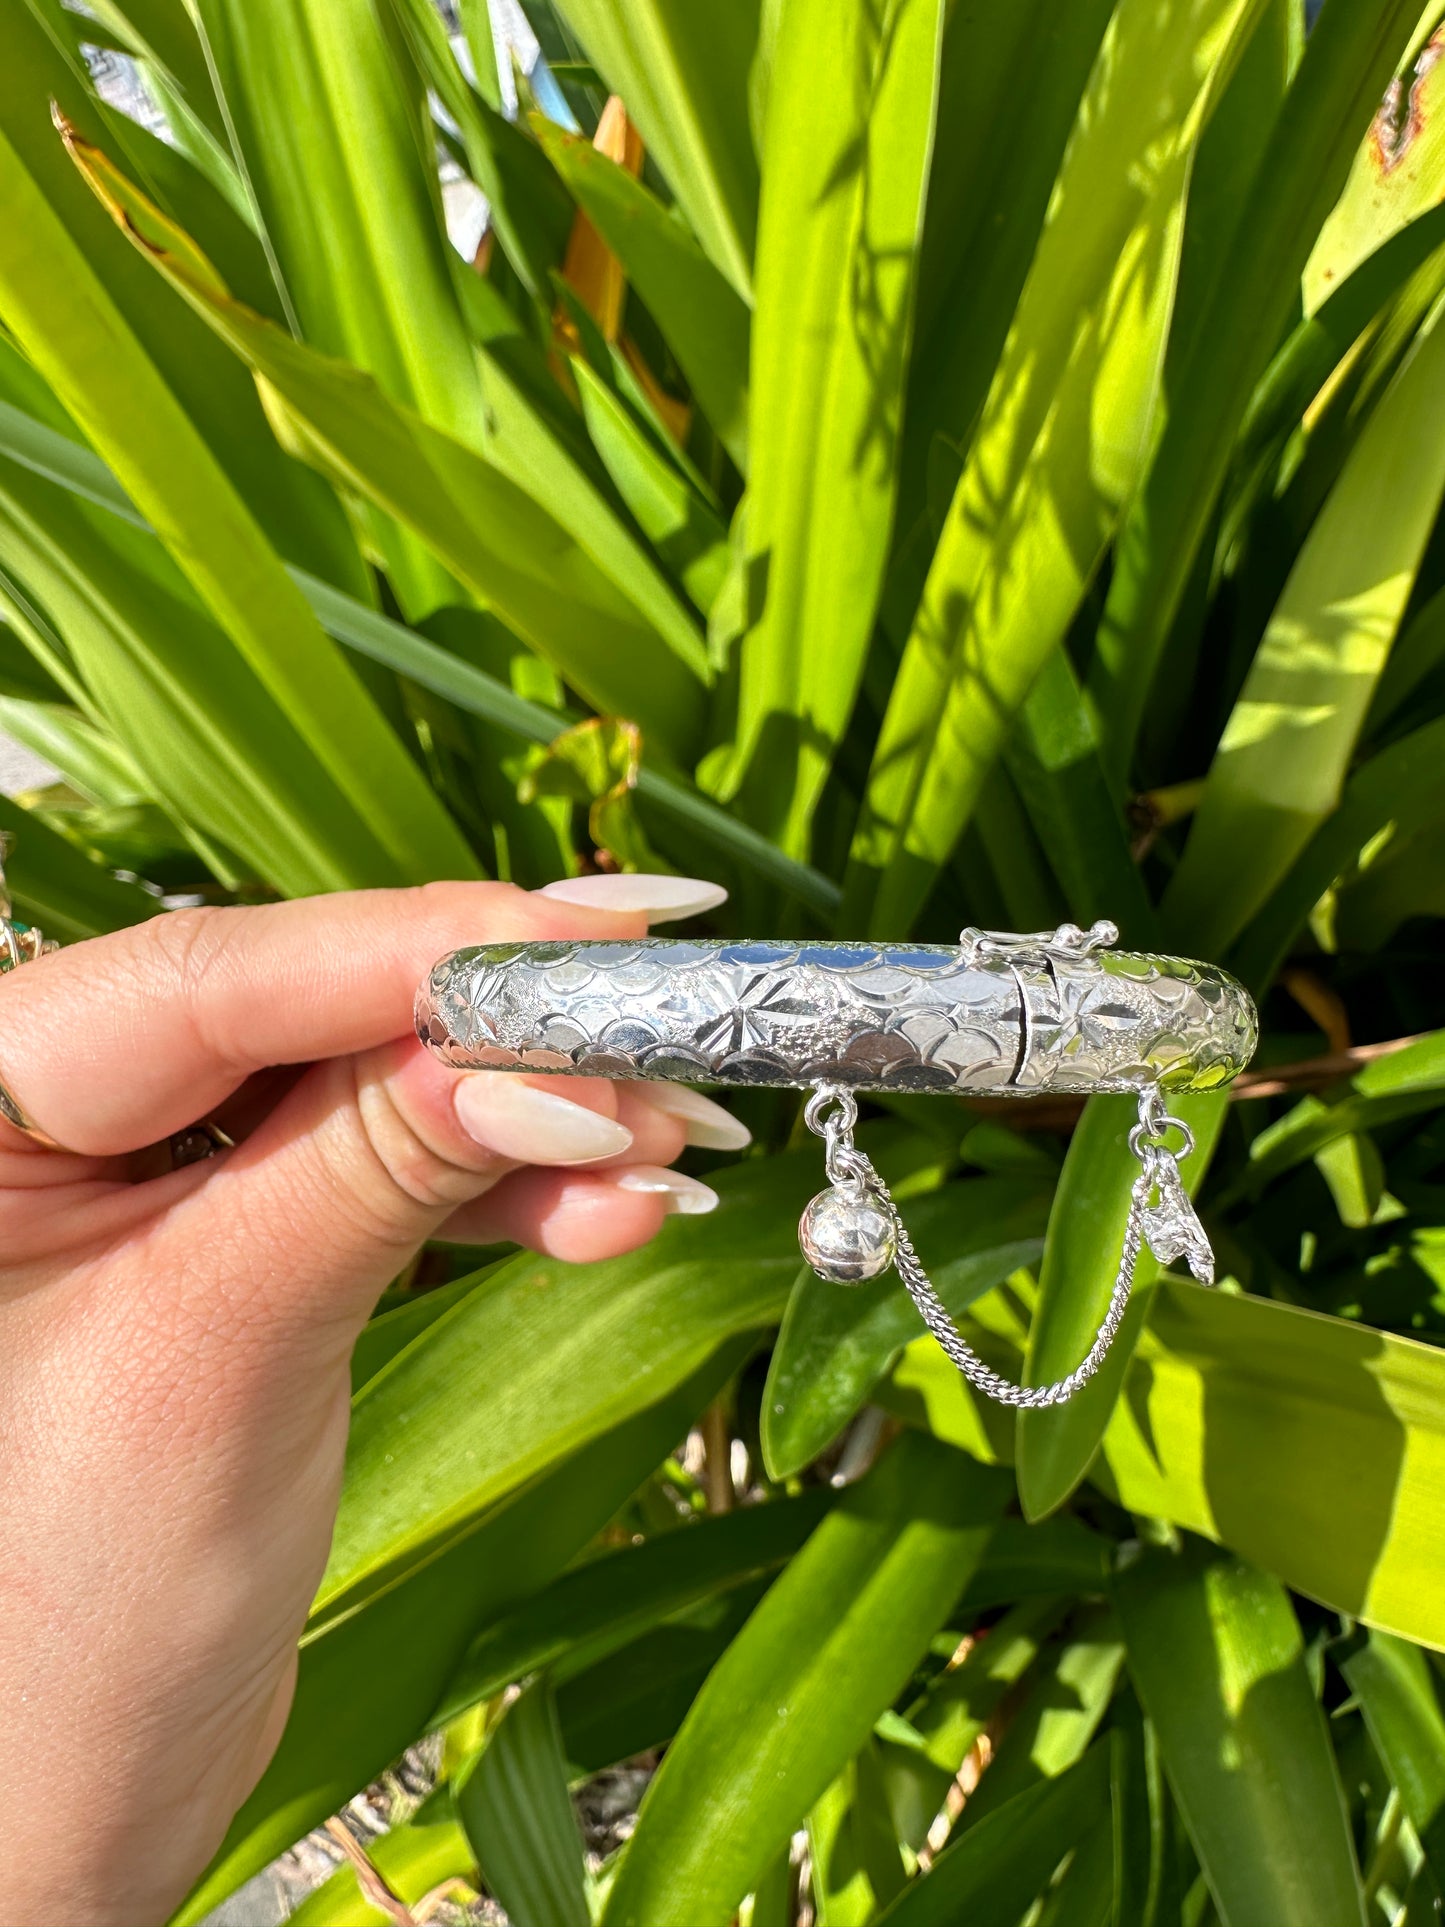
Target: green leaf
x: 988, y: 192
x: 684, y: 532
x: 1331, y: 1489
x: 378, y: 638
x: 797, y: 1693
x: 212, y: 742
x: 393, y: 1330
x: 1397, y: 1695
x: 537, y: 459
x: 57, y: 307
x: 581, y: 594
x: 683, y: 72
x: 956, y: 1709
x: 850, y: 120
x: 526, y: 205
x: 1063, y: 438
x: 545, y: 1357
x: 413, y: 1859
x: 1084, y: 1896
x: 1055, y: 1446
x: 1067, y: 1695
x: 836, y: 1344
x: 1398, y: 173
x: 1386, y: 802
x: 1418, y: 652
x: 1322, y: 340
x: 1354, y: 1172
x: 772, y: 1901
x: 856, y: 1864
x: 1056, y: 765
x: 1061, y: 1555
x: 369, y: 1681
x: 519, y: 1820
x: 636, y: 1698
x: 614, y: 1596
x: 990, y: 1875
x: 297, y: 511
x: 1401, y: 1084
x: 1146, y: 1826
x: 702, y: 318
x: 1282, y: 761
x: 162, y: 35
x: 1216, y: 1653
x: 54, y: 886
x: 382, y: 640
x: 87, y: 756
x: 333, y: 127
x: 1348, y: 60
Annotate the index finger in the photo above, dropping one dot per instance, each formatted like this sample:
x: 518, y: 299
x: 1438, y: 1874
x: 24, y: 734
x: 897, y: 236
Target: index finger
x: 115, y: 1043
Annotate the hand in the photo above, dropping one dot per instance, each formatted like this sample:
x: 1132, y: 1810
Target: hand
x: 174, y: 1349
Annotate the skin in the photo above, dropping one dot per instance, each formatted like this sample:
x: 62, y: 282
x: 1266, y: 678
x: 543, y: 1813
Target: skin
x: 174, y: 1348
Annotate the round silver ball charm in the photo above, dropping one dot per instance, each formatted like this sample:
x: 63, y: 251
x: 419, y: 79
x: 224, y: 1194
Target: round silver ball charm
x: 847, y: 1236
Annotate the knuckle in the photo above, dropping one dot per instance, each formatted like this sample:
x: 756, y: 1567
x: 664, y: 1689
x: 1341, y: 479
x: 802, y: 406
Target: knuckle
x: 402, y: 1171
x: 190, y: 947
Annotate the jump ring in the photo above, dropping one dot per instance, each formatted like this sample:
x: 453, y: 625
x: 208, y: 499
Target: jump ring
x: 816, y: 1110
x: 1152, y: 1137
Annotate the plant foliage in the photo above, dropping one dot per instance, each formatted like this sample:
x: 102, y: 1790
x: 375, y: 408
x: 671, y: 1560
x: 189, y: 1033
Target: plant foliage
x: 924, y: 463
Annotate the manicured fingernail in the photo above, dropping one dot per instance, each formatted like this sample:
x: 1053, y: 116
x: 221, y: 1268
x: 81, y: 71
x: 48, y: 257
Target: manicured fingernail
x: 681, y: 1194
x: 519, y: 1121
x: 660, y: 899
x: 708, y: 1125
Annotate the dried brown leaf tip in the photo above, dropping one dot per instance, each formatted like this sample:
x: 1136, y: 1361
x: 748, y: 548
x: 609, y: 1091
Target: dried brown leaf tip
x: 1405, y: 110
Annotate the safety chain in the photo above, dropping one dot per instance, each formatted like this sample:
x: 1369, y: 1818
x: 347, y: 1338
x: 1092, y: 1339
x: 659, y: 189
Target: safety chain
x: 842, y: 1242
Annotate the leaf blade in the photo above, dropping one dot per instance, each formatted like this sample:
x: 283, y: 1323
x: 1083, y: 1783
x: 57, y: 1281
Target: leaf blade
x: 1216, y: 1653
x: 811, y: 1680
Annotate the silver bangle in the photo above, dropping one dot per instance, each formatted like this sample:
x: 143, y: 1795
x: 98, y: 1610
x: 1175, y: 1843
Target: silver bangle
x: 1058, y: 1011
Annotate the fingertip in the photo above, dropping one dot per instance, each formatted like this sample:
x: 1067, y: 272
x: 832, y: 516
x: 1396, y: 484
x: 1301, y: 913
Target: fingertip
x: 579, y: 1218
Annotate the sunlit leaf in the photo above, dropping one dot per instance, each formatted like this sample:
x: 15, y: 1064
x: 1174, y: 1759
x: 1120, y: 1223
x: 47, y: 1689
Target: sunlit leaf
x: 1063, y: 438
x: 850, y: 119
x: 1217, y: 1655
x: 798, y: 1691
x: 1346, y: 65
x: 683, y: 72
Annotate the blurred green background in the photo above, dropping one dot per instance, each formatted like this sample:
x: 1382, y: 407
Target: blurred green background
x: 921, y: 463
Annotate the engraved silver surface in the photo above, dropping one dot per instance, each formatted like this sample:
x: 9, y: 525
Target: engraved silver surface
x: 904, y: 1017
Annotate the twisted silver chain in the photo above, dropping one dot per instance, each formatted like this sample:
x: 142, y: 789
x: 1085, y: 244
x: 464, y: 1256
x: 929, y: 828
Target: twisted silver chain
x: 832, y: 1113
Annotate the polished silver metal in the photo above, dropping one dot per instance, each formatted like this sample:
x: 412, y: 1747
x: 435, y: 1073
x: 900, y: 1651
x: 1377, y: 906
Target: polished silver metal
x: 1019, y: 1015
x: 1016, y: 1016
x: 1169, y: 1227
x: 846, y: 1237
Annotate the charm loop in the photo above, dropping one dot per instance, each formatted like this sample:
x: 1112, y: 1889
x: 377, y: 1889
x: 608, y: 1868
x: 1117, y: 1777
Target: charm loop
x: 1151, y: 1133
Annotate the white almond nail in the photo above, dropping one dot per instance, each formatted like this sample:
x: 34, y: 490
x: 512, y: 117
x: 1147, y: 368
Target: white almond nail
x: 681, y: 1194
x: 708, y: 1125
x: 661, y: 899
x: 533, y: 1126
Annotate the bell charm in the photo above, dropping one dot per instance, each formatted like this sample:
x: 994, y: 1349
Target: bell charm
x: 847, y: 1236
